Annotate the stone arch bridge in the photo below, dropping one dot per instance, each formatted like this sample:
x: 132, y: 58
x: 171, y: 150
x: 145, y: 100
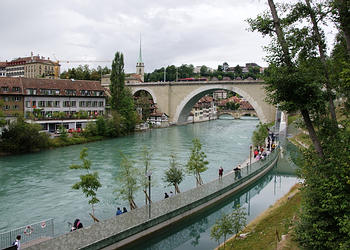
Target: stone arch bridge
x: 176, y: 99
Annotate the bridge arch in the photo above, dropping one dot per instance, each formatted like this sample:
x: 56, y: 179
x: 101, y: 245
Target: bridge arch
x: 150, y: 91
x: 185, y: 106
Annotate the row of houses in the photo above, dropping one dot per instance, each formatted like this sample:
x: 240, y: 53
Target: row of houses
x: 52, y: 102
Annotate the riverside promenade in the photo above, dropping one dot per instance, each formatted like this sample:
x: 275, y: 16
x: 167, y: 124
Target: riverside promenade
x: 122, y: 230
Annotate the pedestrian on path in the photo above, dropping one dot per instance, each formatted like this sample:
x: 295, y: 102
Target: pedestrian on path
x: 237, y: 171
x: 221, y: 171
x: 166, y: 195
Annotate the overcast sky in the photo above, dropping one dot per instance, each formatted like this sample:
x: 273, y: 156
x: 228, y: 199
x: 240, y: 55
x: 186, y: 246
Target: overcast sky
x: 198, y: 32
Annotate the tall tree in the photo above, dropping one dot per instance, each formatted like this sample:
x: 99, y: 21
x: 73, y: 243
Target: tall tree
x: 291, y: 85
x: 89, y: 183
x: 117, y: 80
x: 197, y: 163
x: 341, y: 13
x: 146, y: 158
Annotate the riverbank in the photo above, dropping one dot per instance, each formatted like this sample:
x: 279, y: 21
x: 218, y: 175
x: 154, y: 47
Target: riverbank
x: 271, y: 229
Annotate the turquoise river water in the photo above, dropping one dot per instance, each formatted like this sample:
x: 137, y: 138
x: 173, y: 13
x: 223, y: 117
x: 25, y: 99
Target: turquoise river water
x: 35, y: 187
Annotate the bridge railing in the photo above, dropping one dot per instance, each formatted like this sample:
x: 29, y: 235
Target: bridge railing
x: 28, y: 233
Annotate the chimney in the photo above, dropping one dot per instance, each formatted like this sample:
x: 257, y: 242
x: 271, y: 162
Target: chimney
x: 31, y: 55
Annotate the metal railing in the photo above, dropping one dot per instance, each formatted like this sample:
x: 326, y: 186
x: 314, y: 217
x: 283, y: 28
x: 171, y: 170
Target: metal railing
x: 28, y: 233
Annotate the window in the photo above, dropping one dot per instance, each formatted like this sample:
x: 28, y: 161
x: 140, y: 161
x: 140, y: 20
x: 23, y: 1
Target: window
x: 56, y: 104
x: 6, y: 98
x: 94, y: 104
x: 34, y: 104
x: 66, y: 104
x: 49, y: 104
x: 100, y: 104
x: 16, y: 89
x: 28, y: 104
x: 73, y: 104
x: 4, y: 89
x: 15, y: 107
x: 41, y: 103
x: 17, y: 98
x: 31, y: 91
x: 71, y: 92
x: 82, y: 104
x: 6, y: 107
x: 88, y: 104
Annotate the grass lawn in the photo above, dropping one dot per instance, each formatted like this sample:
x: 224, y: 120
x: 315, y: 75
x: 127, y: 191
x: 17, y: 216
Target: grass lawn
x: 277, y: 220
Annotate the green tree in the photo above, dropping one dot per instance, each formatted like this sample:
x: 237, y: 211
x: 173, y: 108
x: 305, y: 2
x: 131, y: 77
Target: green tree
x: 101, y: 126
x: 117, y: 81
x: 174, y: 174
x: 2, y: 115
x: 127, y: 180
x: 238, y: 71
x: 146, y: 158
x: 229, y: 224
x: 89, y: 183
x: 21, y: 137
x: 197, y: 163
x: 260, y: 134
x: 204, y: 71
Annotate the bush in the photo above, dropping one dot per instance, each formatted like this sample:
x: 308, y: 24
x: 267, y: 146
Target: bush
x: 21, y: 137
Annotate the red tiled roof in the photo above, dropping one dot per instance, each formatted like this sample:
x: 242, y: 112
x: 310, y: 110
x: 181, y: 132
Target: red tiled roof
x: 3, y: 64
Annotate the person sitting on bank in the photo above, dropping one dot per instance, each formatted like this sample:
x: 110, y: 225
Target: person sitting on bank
x: 124, y: 210
x: 77, y: 225
x: 171, y: 194
x: 118, y: 211
x: 166, y: 195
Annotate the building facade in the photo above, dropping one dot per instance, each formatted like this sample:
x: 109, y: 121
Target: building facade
x: 51, y: 102
x: 31, y: 67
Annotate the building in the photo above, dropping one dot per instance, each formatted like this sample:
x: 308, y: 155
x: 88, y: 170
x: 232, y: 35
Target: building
x: 2, y: 69
x: 53, y: 102
x: 220, y: 94
x: 157, y: 119
x: 11, y: 96
x: 203, y: 110
x: 31, y: 67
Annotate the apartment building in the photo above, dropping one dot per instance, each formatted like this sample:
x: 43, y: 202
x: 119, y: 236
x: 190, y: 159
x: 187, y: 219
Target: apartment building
x: 52, y: 102
x: 30, y: 67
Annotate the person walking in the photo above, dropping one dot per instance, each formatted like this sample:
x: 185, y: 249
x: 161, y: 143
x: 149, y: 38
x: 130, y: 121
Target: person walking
x: 221, y: 171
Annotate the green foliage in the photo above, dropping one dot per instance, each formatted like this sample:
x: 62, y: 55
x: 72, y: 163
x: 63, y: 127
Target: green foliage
x: 89, y: 183
x: 174, y: 174
x: 101, y: 126
x: 117, y: 80
x: 197, y: 163
x: 63, y: 132
x: 21, y: 137
x: 260, y: 134
x: 325, y: 220
x: 2, y: 115
x: 232, y: 105
x: 121, y: 97
x: 85, y: 73
x: 229, y: 224
x: 127, y: 179
x: 143, y: 102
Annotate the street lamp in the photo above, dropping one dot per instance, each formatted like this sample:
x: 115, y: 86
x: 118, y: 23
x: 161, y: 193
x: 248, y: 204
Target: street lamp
x: 250, y: 156
x: 149, y: 174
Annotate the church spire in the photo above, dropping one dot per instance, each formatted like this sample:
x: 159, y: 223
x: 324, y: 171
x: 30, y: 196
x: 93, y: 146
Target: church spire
x: 140, y: 53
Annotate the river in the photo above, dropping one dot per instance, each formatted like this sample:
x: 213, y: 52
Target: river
x: 37, y: 186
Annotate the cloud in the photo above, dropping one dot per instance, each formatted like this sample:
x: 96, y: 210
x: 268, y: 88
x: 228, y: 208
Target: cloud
x: 199, y: 32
